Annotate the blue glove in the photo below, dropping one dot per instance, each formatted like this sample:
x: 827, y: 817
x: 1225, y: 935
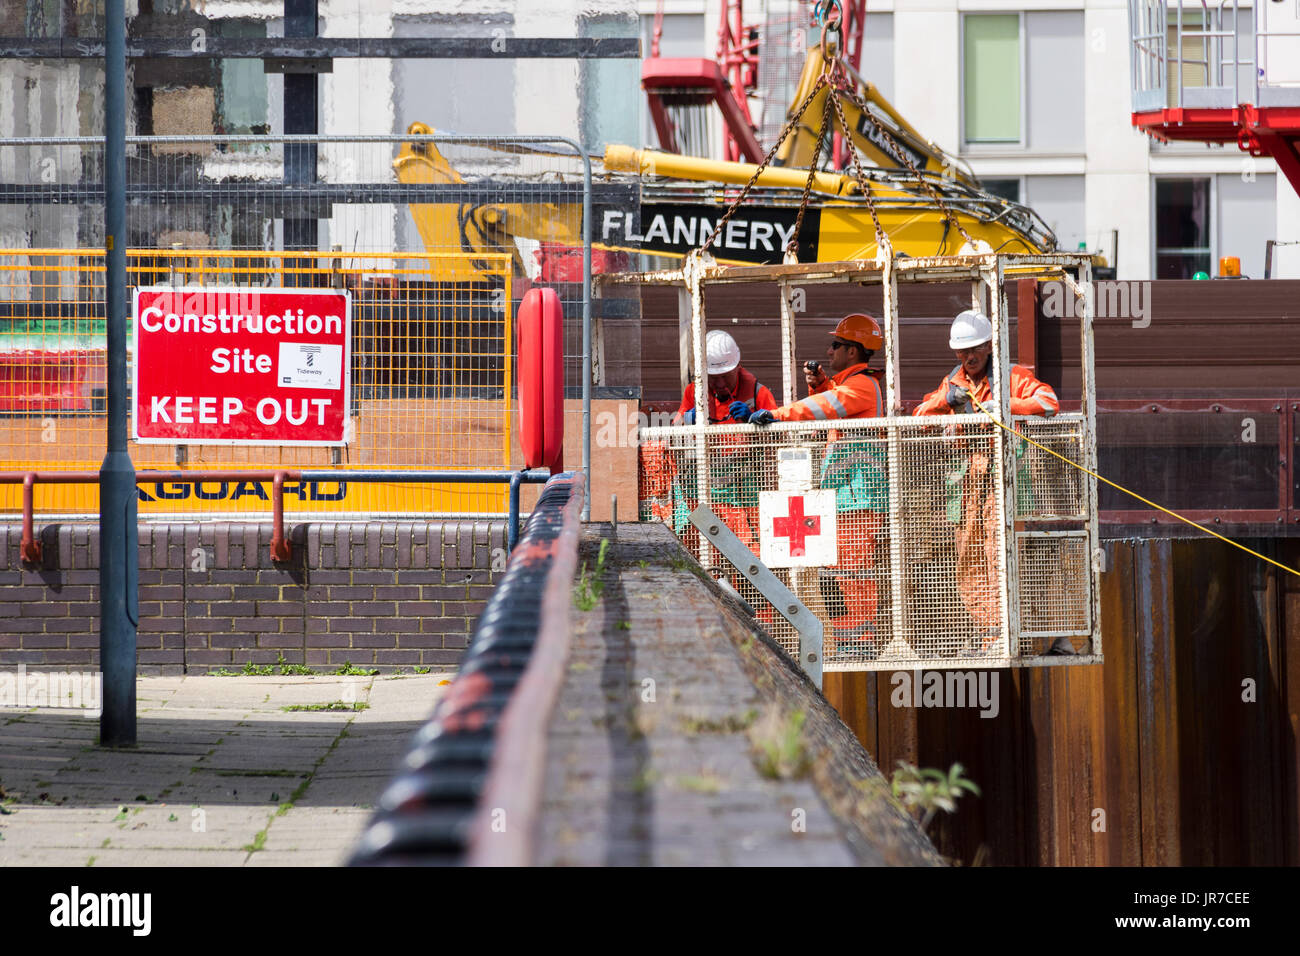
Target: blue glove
x: 689, y: 418
x: 762, y: 417
x: 957, y: 397
x: 740, y: 412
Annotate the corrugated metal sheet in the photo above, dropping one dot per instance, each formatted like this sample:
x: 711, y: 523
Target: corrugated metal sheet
x: 1198, y: 339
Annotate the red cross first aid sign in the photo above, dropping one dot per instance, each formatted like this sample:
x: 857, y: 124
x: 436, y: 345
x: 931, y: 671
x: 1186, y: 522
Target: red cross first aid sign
x: 241, y: 366
x: 797, y: 529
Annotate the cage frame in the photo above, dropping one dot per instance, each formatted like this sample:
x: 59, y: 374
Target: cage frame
x: 987, y: 274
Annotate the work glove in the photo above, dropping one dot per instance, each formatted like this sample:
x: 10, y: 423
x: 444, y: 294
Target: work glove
x: 689, y: 418
x: 739, y: 412
x: 762, y: 417
x: 957, y: 397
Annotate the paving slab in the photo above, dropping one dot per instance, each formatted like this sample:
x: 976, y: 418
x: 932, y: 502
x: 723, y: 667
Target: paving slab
x: 222, y: 767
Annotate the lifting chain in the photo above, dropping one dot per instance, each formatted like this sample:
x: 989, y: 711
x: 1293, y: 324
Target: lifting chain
x: 881, y: 239
x: 888, y: 138
x: 792, y: 247
x: 833, y: 77
x: 771, y: 154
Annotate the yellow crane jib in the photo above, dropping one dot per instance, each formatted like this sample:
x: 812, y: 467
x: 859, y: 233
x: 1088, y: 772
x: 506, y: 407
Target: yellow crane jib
x: 836, y: 227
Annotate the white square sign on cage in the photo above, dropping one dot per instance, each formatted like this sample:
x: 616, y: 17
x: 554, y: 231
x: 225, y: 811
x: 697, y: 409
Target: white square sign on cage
x: 797, y: 529
x: 794, y: 469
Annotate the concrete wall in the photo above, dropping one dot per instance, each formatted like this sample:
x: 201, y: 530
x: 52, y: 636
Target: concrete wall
x: 383, y: 594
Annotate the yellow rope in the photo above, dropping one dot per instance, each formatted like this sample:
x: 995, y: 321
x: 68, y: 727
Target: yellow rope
x: 1133, y: 494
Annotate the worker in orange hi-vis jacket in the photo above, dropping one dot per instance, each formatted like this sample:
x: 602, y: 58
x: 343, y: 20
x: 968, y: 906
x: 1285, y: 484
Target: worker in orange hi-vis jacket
x: 855, y: 469
x: 976, y: 534
x: 730, y: 385
x: 734, y: 394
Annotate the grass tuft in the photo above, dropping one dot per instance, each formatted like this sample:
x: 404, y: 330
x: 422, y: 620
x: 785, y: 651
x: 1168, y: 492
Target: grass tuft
x: 780, y: 752
x: 331, y: 705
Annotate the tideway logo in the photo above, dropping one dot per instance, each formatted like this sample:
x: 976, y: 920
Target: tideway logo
x: 74, y: 909
x: 946, y: 689
x: 77, y: 690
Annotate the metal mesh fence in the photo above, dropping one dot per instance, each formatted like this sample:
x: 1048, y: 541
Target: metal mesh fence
x: 431, y: 373
x: 435, y: 237
x: 914, y: 571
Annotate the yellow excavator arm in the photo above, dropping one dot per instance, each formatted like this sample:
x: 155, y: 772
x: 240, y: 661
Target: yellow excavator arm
x: 885, y: 149
x: 472, y: 229
x: 683, y: 198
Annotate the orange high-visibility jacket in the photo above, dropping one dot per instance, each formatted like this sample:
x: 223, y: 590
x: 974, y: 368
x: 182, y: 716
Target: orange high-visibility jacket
x: 852, y: 393
x: 1029, y: 396
x: 748, y: 390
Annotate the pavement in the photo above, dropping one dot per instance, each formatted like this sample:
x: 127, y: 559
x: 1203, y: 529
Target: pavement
x: 223, y: 774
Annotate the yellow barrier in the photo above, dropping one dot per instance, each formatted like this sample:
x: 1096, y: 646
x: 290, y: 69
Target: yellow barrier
x: 431, y: 378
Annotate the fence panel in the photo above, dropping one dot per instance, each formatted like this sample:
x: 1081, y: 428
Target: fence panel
x: 431, y: 377
x: 435, y: 237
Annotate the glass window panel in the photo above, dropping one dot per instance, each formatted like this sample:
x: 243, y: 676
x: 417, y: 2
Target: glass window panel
x: 1006, y: 188
x: 992, y: 78
x: 1182, y: 227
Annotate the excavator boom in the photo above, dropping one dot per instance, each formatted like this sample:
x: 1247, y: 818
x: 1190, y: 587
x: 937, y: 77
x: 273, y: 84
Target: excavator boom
x: 885, y: 149
x: 683, y: 199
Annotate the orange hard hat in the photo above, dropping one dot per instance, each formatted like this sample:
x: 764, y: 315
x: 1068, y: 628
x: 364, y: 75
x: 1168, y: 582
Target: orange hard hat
x: 862, y: 329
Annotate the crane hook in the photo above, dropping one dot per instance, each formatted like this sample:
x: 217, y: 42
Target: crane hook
x: 822, y: 8
x: 829, y: 25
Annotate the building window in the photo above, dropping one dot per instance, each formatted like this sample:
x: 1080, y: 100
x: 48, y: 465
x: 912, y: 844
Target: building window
x: 1183, y: 227
x: 991, y: 66
x: 1006, y: 188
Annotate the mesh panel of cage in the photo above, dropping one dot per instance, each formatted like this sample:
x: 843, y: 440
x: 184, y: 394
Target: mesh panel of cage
x: 944, y: 602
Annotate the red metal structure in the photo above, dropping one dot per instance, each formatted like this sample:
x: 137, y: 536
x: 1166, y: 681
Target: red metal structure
x: 730, y: 79
x: 1219, y: 73
x: 1261, y: 131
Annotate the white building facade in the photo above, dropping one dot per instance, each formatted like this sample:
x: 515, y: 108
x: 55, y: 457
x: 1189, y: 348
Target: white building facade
x: 1036, y: 97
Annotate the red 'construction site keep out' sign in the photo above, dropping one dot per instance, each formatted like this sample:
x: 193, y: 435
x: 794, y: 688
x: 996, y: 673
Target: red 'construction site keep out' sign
x: 228, y: 366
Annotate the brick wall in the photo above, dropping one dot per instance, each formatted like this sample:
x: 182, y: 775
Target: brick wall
x: 385, y: 594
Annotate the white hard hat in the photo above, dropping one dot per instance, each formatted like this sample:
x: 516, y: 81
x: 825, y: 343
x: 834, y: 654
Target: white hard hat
x: 723, y: 352
x: 969, y: 329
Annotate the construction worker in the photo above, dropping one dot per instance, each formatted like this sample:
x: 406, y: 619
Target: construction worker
x: 734, y: 393
x: 855, y: 469
x: 971, y: 339
x: 730, y: 385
